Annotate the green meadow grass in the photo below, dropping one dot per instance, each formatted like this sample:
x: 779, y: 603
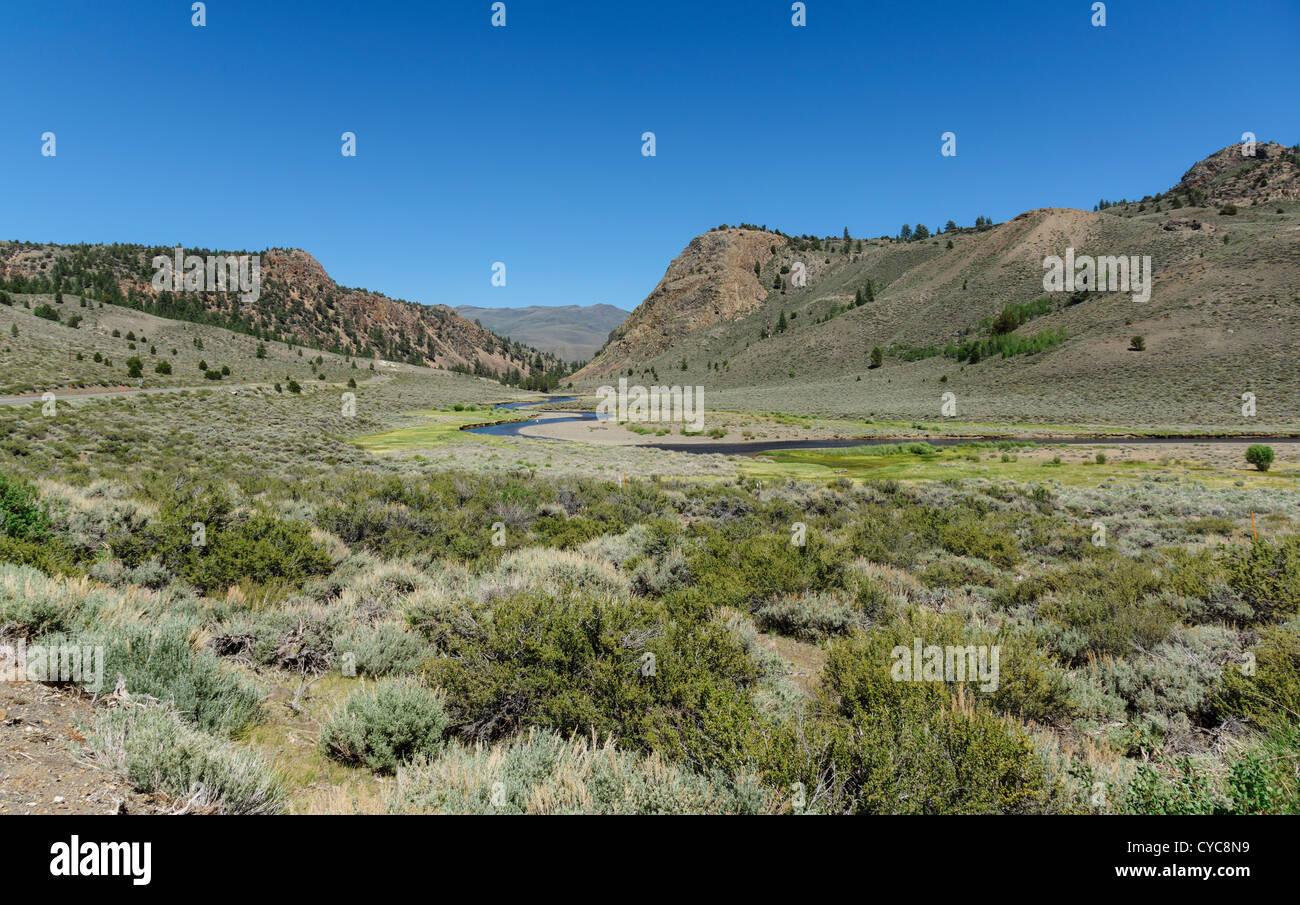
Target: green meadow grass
x: 896, y: 462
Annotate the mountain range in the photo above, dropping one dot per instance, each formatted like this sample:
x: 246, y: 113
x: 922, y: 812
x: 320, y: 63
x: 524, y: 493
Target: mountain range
x: 572, y: 332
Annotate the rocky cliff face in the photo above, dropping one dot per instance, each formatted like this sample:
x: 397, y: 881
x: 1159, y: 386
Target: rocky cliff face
x: 712, y: 281
x: 1227, y: 176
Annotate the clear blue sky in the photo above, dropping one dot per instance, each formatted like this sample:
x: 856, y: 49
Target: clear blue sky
x: 522, y: 144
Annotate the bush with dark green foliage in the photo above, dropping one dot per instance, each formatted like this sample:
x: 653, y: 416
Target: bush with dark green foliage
x: 878, y: 746
x: 1105, y: 625
x: 746, y: 572
x: 21, y: 513
x: 900, y: 533
x: 1260, y: 456
x: 654, y: 679
x: 1266, y: 575
x: 1268, y: 693
x: 1258, y: 781
x: 26, y: 537
x: 257, y: 549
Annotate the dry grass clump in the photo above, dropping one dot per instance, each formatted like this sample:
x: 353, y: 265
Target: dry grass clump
x: 157, y: 751
x: 544, y: 773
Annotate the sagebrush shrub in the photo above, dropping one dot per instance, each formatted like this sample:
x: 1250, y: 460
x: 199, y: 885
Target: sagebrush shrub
x: 159, y: 661
x: 383, y: 649
x: 157, y: 751
x: 544, y: 773
x: 809, y: 617
x: 384, y: 725
x: 32, y: 604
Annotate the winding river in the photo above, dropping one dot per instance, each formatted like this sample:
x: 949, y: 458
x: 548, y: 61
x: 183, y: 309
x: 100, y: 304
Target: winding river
x: 513, y: 428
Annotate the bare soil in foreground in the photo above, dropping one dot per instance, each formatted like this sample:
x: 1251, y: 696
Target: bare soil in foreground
x: 40, y: 769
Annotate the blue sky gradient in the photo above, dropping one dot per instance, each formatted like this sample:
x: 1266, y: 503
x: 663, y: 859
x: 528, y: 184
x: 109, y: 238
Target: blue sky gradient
x: 522, y: 144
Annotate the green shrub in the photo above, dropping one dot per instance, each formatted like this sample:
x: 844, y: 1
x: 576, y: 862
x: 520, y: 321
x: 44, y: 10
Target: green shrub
x: 50, y: 555
x: 747, y: 572
x: 158, y: 752
x: 654, y: 679
x: 383, y: 649
x: 880, y: 746
x: 163, y: 367
x: 258, y: 549
x: 160, y: 661
x: 26, y: 537
x: 1189, y: 790
x: 385, y: 725
x: 1105, y: 625
x: 956, y: 573
x: 1266, y: 575
x: 21, y: 513
x: 1271, y: 696
x: 1260, y: 456
x: 970, y: 535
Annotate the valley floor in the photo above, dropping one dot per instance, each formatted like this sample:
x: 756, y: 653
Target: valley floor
x: 392, y: 614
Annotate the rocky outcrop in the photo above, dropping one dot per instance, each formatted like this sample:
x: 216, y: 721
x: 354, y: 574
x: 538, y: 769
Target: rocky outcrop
x: 712, y: 281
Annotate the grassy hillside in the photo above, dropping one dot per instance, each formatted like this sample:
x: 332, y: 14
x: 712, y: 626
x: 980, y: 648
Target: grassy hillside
x: 55, y: 356
x: 1223, y: 319
x: 297, y: 302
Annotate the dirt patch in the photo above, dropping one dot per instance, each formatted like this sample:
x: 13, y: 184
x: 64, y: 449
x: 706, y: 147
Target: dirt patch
x: 806, y: 660
x: 40, y: 770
